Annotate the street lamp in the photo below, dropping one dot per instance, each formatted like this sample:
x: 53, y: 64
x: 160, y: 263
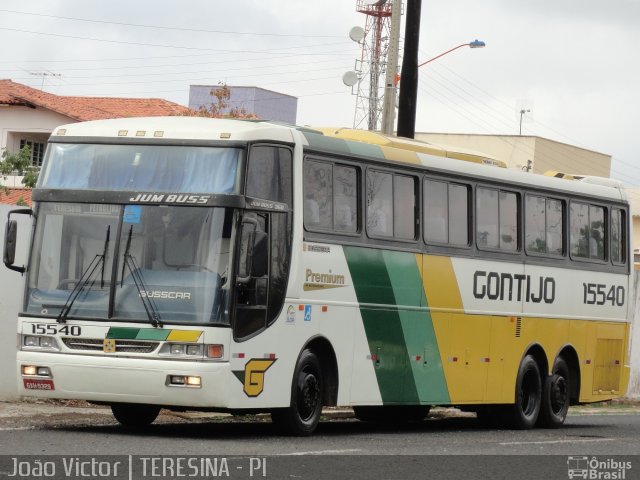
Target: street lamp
x: 522, y: 112
x: 475, y: 44
x: 407, y: 108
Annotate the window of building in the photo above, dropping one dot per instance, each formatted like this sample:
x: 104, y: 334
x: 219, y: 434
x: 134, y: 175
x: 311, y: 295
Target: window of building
x: 587, y: 231
x: 37, y: 151
x: 543, y: 225
x: 391, y: 204
x: 446, y: 213
x: 497, y: 219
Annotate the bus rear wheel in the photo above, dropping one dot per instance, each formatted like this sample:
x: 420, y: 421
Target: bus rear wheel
x: 524, y: 413
x: 555, y: 396
x: 135, y: 415
x: 303, y: 415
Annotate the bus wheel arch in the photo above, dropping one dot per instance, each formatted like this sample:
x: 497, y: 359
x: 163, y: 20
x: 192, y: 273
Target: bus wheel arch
x: 329, y: 363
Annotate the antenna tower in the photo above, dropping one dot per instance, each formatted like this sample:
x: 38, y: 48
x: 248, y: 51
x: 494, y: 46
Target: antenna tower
x: 372, y: 65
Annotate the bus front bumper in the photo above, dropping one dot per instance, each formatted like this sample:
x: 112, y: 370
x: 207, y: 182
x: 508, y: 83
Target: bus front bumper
x: 125, y: 380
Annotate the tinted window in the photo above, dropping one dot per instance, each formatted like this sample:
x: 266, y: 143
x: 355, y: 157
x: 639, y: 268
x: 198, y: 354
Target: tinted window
x: 446, y: 212
x: 345, y: 182
x: 587, y: 224
x: 379, y: 203
x: 579, y: 230
x: 508, y: 221
x: 487, y: 218
x: 404, y: 195
x: 269, y: 174
x: 318, y: 195
x: 458, y: 215
x: 436, y: 212
x: 618, y: 236
x: 543, y: 225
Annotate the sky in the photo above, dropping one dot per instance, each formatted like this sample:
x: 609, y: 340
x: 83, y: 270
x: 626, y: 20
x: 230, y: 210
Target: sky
x: 573, y: 63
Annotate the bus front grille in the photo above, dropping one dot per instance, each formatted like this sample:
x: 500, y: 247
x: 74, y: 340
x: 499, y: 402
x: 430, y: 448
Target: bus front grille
x: 121, y: 346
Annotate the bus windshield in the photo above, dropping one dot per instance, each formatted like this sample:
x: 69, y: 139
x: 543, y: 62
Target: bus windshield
x: 141, y: 168
x: 174, y: 258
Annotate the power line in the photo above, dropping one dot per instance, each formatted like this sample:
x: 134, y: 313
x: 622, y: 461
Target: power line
x: 181, y: 47
x: 164, y: 27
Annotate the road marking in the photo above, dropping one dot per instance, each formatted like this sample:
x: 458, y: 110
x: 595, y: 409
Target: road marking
x: 544, y: 442
x: 8, y: 429
x: 321, y: 452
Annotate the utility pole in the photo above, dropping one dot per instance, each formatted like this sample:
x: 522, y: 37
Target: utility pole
x: 409, y: 75
x: 390, y: 89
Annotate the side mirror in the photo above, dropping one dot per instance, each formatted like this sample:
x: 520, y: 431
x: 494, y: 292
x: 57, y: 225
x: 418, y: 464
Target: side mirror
x: 253, y: 258
x: 245, y: 254
x: 10, y: 240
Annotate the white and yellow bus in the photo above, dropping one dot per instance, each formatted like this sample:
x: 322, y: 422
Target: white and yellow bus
x: 193, y: 263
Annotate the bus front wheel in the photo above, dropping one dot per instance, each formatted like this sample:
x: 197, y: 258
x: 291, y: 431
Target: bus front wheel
x: 303, y: 414
x: 555, y: 396
x: 134, y: 415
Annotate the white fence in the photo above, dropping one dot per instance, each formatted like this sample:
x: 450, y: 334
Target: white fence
x: 11, y: 297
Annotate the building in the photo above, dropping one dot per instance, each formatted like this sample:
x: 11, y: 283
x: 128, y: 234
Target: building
x: 535, y: 154
x: 28, y: 116
x: 264, y: 104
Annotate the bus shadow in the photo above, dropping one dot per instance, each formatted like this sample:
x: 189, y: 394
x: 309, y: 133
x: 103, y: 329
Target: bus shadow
x: 241, y: 429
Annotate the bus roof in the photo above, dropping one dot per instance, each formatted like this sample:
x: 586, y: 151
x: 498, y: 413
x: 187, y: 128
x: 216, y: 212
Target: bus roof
x: 348, y: 142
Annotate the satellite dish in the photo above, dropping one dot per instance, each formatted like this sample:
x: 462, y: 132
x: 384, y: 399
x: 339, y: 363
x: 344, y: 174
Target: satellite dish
x: 356, y: 34
x: 350, y: 78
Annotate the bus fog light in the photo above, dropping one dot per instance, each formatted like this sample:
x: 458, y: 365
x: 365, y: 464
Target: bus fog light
x: 177, y: 349
x: 29, y: 370
x: 31, y: 341
x: 215, y: 351
x: 44, y: 372
x: 176, y: 380
x: 194, y: 381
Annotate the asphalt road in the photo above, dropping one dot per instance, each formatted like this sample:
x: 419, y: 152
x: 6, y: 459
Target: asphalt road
x: 344, y: 448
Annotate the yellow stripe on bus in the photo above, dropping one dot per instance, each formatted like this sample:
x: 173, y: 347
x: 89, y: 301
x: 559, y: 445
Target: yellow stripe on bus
x: 184, y: 336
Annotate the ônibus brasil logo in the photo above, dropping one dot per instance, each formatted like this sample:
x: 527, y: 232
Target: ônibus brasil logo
x: 593, y: 468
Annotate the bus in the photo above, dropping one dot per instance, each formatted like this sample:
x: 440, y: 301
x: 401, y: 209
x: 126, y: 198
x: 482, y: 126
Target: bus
x: 247, y: 266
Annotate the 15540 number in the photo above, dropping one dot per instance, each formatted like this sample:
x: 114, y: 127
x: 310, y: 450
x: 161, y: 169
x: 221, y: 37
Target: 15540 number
x: 51, y: 329
x: 600, y: 294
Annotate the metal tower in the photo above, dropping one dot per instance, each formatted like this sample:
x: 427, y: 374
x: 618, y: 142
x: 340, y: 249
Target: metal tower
x: 372, y: 65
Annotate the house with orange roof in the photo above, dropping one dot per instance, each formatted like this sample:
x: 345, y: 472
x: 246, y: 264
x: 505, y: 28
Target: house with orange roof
x: 28, y: 115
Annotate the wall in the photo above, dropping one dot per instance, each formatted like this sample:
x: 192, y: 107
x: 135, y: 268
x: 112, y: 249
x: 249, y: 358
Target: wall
x: 516, y: 151
x: 11, y: 291
x: 37, y: 122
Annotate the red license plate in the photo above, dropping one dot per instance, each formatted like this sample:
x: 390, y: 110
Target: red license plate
x: 33, y: 384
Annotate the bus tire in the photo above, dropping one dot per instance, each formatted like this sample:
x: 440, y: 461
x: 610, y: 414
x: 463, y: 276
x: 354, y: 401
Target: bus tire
x: 524, y: 413
x: 392, y: 413
x: 135, y: 415
x: 555, y: 396
x: 303, y: 415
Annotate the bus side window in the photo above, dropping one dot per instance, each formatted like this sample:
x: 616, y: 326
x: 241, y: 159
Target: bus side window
x: 618, y: 236
x: 269, y: 173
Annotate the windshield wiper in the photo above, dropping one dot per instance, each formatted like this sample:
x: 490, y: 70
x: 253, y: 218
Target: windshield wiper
x: 136, y: 276
x: 99, y: 259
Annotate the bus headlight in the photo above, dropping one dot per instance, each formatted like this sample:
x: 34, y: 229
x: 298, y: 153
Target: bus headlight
x: 38, y: 342
x: 187, y: 350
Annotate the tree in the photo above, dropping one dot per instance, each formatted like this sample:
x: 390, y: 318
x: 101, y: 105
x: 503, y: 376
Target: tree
x: 19, y: 164
x: 219, y: 106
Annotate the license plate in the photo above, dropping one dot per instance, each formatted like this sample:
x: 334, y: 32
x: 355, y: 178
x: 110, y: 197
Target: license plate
x: 37, y: 384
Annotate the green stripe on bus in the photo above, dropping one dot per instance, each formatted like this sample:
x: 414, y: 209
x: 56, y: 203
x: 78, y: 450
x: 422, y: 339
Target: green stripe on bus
x: 382, y: 327
x: 123, y: 333
x: 402, y: 338
x: 153, y: 334
x: 428, y: 376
